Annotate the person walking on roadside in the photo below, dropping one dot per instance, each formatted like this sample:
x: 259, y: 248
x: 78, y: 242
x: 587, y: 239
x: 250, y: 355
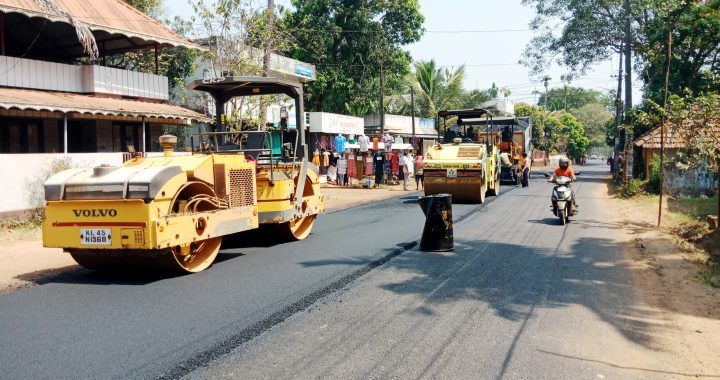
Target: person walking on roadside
x: 405, y: 167
x: 419, y: 173
x: 525, y: 171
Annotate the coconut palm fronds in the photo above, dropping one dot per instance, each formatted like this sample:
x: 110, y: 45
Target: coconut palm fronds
x: 85, y: 36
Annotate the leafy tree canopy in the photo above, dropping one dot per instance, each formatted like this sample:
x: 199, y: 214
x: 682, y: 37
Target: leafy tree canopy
x: 351, y: 41
x: 594, y: 117
x: 565, y: 98
x: 556, y: 131
x: 591, y: 31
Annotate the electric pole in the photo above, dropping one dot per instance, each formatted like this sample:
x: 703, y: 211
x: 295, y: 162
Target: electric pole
x: 618, y: 118
x: 412, y: 107
x: 269, y: 20
x: 382, y: 101
x: 628, y: 82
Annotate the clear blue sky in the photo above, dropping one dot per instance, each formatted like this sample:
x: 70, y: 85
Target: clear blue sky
x: 488, y: 57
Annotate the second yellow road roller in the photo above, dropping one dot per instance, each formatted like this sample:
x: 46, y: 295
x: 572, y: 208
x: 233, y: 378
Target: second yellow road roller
x: 465, y: 165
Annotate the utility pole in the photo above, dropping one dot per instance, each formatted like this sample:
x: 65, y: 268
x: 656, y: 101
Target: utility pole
x: 628, y: 81
x: 269, y: 20
x: 412, y: 107
x: 382, y: 101
x: 618, y: 118
x: 664, y: 123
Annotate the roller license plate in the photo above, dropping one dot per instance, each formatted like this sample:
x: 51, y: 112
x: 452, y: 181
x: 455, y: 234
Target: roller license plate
x: 452, y: 173
x: 95, y: 236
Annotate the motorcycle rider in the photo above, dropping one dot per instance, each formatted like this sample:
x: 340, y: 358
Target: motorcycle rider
x: 565, y: 171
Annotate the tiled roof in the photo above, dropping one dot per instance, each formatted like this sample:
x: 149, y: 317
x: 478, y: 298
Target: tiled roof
x: 114, y: 17
x: 651, y: 139
x: 22, y: 99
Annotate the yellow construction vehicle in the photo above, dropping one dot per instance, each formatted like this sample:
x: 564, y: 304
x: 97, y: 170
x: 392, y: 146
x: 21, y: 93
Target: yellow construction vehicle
x: 512, y: 137
x: 173, y: 210
x: 465, y: 165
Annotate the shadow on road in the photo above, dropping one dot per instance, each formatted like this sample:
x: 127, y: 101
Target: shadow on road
x: 514, y: 280
x: 650, y: 370
x: 143, y: 276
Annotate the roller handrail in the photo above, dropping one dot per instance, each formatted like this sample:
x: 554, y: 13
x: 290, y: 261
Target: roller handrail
x: 215, y: 135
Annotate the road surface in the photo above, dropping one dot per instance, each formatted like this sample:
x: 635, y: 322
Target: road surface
x: 520, y: 297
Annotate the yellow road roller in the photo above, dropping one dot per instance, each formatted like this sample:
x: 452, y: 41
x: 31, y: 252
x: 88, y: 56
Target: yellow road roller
x: 465, y: 164
x: 172, y: 211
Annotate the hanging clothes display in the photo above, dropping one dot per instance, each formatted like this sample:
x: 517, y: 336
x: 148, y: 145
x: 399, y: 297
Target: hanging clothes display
x: 351, y: 166
x: 394, y: 159
x: 360, y: 160
x: 325, y: 162
x: 325, y: 142
x: 369, y: 165
x: 316, y: 158
x: 387, y: 165
x: 380, y: 167
x: 415, y: 142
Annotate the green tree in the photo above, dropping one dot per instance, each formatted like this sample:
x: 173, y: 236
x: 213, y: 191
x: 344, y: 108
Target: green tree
x: 437, y: 88
x: 149, y: 7
x: 594, y: 117
x: 475, y: 98
x: 593, y: 30
x: 538, y: 115
x: 175, y: 63
x: 574, y: 131
x: 557, y: 131
x: 352, y: 42
x: 564, y: 98
x: 694, y: 65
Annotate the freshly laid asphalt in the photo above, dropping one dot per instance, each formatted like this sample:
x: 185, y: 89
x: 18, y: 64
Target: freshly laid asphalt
x: 520, y: 297
x: 85, y: 324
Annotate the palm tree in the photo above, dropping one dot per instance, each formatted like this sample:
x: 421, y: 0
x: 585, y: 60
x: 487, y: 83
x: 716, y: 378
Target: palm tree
x: 436, y: 88
x: 546, y: 82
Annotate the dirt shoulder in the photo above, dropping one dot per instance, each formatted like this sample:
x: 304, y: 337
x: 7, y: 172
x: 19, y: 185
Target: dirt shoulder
x: 25, y: 262
x: 668, y: 277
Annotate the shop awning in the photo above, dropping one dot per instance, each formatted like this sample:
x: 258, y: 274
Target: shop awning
x: 381, y: 146
x: 33, y: 100
x: 116, y: 26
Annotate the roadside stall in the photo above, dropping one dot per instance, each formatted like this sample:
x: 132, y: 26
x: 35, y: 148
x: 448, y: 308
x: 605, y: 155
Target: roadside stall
x: 324, y: 128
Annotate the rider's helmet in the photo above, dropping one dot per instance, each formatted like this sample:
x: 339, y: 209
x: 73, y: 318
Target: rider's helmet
x: 564, y: 163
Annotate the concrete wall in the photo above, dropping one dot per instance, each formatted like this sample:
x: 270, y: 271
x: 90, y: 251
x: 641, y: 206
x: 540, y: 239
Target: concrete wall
x: 693, y: 182
x: 24, y: 175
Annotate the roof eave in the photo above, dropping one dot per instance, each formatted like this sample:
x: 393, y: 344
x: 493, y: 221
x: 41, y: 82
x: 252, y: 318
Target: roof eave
x: 94, y: 27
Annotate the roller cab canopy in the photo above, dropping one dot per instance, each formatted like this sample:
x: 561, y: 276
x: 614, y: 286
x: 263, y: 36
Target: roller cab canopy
x: 476, y: 113
x: 230, y: 87
x: 222, y: 89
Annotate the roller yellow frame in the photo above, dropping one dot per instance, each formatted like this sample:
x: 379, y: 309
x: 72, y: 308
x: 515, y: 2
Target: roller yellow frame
x: 462, y: 165
x: 172, y: 211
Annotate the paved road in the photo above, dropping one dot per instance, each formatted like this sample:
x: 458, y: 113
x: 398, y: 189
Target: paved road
x: 91, y: 325
x: 521, y: 297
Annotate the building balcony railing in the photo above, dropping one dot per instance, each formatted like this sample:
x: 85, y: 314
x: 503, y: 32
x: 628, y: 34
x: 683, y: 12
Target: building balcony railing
x: 88, y: 79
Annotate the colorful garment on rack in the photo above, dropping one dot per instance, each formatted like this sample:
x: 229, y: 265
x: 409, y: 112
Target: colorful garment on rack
x: 369, y: 169
x: 360, y: 160
x: 351, y: 166
x: 394, y: 159
x: 316, y: 159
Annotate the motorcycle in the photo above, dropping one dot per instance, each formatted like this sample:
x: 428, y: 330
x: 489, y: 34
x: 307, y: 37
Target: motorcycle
x: 563, y: 199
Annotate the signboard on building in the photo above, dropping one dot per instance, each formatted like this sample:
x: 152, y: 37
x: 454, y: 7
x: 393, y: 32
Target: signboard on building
x: 330, y: 123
